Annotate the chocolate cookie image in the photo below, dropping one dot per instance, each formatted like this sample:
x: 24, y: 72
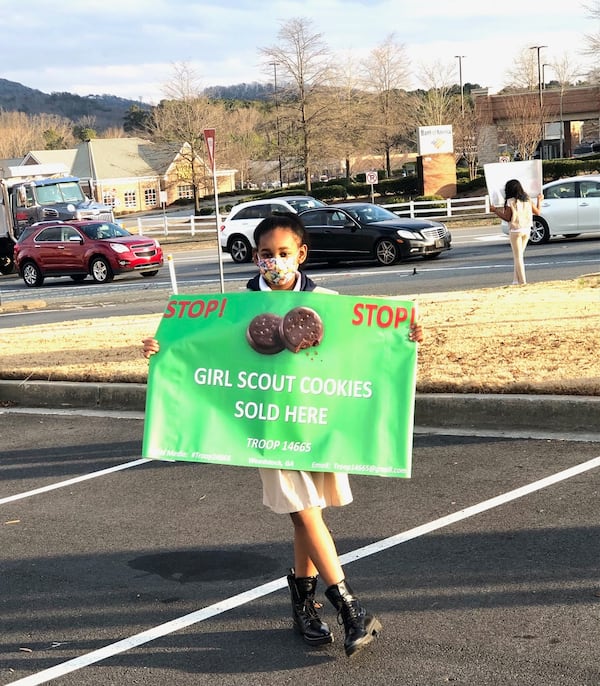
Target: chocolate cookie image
x: 263, y: 334
x: 301, y: 328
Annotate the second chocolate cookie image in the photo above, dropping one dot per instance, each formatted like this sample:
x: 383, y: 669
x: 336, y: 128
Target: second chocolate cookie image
x: 301, y: 328
x: 263, y: 334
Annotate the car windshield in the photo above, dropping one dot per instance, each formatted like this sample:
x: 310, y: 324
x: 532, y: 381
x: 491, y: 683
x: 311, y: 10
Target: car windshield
x: 59, y: 192
x: 368, y: 214
x: 97, y: 231
x: 301, y: 204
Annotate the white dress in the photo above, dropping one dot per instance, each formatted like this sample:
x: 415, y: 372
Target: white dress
x: 286, y: 490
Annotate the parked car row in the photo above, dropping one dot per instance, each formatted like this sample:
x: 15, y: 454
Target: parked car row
x: 337, y: 233
x: 343, y: 232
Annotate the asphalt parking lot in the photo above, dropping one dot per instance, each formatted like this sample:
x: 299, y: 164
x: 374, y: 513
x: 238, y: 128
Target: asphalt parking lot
x: 122, y: 571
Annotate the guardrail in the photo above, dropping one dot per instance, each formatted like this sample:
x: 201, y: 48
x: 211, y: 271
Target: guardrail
x: 191, y: 225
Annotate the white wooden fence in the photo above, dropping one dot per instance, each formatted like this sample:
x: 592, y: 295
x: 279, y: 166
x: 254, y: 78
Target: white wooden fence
x: 172, y: 226
x: 166, y: 225
x: 452, y: 207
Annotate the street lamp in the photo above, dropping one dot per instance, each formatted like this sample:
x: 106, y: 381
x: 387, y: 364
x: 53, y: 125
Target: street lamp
x: 544, y: 74
x: 462, y: 96
x: 539, y: 65
x: 274, y: 65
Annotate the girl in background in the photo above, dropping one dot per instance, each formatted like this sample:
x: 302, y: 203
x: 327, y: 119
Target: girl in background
x: 518, y: 211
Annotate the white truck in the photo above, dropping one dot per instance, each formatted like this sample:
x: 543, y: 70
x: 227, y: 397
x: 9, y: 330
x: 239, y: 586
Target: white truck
x: 40, y: 192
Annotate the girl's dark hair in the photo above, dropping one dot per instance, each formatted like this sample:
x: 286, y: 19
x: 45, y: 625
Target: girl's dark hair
x: 513, y: 189
x: 285, y: 220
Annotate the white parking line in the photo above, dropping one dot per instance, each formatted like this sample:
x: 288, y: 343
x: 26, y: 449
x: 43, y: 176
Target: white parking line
x: 277, y: 584
x: 69, y: 482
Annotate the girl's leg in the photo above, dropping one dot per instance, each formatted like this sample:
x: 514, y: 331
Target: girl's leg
x: 314, y: 548
x: 518, y: 248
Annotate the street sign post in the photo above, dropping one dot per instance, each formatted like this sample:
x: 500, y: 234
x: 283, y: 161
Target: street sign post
x: 372, y: 177
x: 209, y: 139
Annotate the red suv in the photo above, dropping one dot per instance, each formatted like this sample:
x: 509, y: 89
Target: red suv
x: 79, y: 248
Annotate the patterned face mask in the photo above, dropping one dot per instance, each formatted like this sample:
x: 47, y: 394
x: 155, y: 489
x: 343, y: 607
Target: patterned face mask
x: 278, y: 271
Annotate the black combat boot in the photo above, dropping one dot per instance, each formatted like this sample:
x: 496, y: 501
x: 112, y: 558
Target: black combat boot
x: 304, y: 610
x: 360, y: 627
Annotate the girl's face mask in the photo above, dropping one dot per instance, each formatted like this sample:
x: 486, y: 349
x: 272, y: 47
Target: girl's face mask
x: 278, y: 271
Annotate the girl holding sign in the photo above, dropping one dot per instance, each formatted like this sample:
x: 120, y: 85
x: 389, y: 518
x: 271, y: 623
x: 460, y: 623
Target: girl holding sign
x: 518, y: 211
x: 281, y: 249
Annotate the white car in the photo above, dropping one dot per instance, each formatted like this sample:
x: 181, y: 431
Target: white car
x: 237, y: 230
x: 570, y: 207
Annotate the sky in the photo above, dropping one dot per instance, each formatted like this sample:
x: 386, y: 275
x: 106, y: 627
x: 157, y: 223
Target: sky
x: 129, y: 47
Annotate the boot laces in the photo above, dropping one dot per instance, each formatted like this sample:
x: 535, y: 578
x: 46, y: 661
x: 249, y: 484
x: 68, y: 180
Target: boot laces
x: 351, y: 612
x: 311, y: 607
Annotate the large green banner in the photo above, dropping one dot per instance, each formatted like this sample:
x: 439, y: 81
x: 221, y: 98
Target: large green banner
x: 286, y: 380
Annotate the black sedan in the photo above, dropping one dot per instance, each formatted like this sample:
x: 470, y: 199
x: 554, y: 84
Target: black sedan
x: 363, y: 231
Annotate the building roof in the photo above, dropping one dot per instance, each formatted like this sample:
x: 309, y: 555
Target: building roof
x: 115, y: 158
x: 50, y: 157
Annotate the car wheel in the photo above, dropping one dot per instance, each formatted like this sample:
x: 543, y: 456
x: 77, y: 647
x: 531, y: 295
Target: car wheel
x: 240, y: 249
x: 32, y: 276
x: 386, y: 252
x: 101, y: 271
x: 432, y: 255
x: 539, y: 231
x: 78, y: 278
x: 147, y: 275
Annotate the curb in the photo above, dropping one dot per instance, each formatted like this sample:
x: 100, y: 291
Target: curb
x: 546, y: 414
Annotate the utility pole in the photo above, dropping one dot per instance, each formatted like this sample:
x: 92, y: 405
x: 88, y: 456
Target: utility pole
x: 274, y: 65
x: 539, y: 66
x: 462, y: 94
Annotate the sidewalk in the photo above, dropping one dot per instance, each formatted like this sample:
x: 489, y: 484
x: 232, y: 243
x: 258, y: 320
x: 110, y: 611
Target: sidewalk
x: 494, y: 414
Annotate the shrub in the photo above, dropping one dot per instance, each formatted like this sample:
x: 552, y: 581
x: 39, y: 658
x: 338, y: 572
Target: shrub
x: 556, y: 169
x: 405, y: 185
x: 333, y: 192
x: 357, y: 190
x: 466, y: 185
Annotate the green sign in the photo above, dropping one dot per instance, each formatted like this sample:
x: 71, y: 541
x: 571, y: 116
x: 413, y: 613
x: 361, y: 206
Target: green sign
x: 287, y: 380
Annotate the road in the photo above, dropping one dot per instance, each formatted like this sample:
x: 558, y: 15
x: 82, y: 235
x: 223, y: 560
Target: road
x: 480, y: 258
x: 99, y: 547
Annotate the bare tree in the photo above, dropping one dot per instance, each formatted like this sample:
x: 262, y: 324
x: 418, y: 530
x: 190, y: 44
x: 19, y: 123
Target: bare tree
x: 565, y: 72
x: 304, y: 63
x: 522, y: 128
x: 20, y: 133
x: 386, y: 75
x: 439, y: 105
x: 467, y: 131
x: 178, y: 124
x: 524, y: 73
x: 241, y: 141
x: 351, y: 116
x: 592, y: 40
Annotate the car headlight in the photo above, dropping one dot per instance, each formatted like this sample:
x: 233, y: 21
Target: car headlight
x: 411, y: 235
x: 119, y: 247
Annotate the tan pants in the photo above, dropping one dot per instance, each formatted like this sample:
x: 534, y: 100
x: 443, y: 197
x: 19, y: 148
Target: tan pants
x: 518, y: 242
